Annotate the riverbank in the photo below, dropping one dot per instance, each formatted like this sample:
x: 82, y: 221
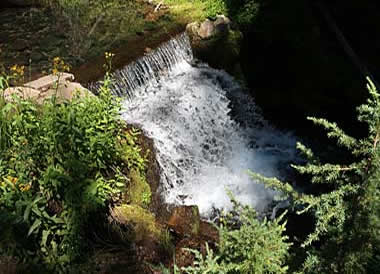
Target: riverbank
x: 33, y: 36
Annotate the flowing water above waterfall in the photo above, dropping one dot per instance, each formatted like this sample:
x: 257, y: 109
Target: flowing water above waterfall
x: 208, y: 133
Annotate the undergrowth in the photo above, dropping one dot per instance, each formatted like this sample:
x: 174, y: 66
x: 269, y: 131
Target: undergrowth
x: 60, y: 165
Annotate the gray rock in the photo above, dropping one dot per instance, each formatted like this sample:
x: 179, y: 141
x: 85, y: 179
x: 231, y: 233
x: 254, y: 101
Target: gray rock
x: 193, y: 28
x: 209, y: 29
x: 222, y: 25
x: 206, y: 30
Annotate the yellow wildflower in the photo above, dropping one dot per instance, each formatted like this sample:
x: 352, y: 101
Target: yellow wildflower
x: 59, y: 65
x: 24, y: 187
x: 17, y: 70
x: 56, y: 60
x: 13, y: 180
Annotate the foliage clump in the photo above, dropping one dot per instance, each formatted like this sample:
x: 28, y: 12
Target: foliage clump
x: 347, y: 213
x: 247, y: 245
x: 60, y: 165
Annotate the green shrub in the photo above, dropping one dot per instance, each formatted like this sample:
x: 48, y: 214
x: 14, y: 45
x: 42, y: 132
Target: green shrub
x: 59, y: 166
x: 215, y: 7
x: 248, y: 246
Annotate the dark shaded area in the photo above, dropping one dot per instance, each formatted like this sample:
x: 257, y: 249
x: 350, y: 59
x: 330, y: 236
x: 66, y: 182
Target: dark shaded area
x: 296, y: 67
x: 6, y: 4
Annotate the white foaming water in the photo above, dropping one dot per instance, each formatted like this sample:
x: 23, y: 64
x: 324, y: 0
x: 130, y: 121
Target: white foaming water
x: 202, y: 151
x: 207, y: 132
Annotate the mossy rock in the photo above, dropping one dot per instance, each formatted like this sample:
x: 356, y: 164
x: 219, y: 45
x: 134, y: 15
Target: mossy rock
x: 139, y: 192
x: 222, y: 52
x: 185, y: 220
x: 143, y: 222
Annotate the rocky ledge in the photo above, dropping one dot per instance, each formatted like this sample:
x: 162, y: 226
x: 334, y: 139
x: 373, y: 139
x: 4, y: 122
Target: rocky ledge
x: 60, y: 85
x: 217, y: 42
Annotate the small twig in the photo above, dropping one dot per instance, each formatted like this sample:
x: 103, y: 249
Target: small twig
x: 95, y: 25
x: 376, y: 141
x: 158, y: 6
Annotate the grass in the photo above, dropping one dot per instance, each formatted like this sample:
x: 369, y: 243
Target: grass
x: 187, y: 11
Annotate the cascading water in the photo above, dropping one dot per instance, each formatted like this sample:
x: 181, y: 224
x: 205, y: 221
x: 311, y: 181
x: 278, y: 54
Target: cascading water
x: 208, y: 133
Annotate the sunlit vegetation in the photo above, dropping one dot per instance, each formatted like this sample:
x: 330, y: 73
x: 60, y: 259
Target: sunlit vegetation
x: 62, y: 165
x: 69, y: 167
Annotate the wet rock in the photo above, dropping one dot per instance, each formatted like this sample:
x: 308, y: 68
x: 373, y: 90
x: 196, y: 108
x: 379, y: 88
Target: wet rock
x: 185, y: 220
x: 209, y: 233
x: 183, y: 257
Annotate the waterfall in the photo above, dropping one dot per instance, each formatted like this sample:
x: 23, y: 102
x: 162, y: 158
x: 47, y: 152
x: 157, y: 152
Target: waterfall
x: 207, y: 131
x: 149, y: 67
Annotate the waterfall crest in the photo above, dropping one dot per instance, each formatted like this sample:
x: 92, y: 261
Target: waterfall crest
x: 150, y: 67
x: 207, y: 131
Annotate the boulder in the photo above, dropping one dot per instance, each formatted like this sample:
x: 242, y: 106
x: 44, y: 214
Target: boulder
x: 208, y: 234
x: 222, y: 25
x: 144, y: 224
x: 206, y: 29
x: 65, y: 92
x: 49, y: 81
x: 185, y: 220
x: 217, y: 43
x: 24, y: 92
x: 222, y: 49
x: 209, y: 29
x: 48, y: 86
x: 192, y: 29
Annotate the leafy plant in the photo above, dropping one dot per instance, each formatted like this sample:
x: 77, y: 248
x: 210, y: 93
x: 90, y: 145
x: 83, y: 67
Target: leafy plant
x: 60, y: 165
x: 216, y: 7
x: 247, y: 245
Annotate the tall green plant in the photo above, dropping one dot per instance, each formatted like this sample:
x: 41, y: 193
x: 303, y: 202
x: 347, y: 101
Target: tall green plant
x: 60, y: 165
x: 347, y: 229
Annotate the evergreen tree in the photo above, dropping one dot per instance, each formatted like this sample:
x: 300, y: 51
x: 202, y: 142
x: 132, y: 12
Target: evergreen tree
x: 347, y: 226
